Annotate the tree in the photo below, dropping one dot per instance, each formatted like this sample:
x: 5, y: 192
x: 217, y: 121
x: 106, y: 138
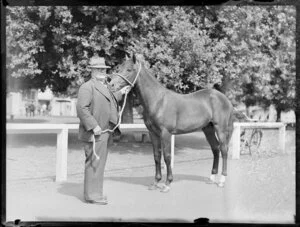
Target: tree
x: 55, y: 44
x: 33, y: 55
x: 180, y: 53
x: 248, y: 51
x: 282, y: 66
x: 22, y: 43
x: 262, y: 41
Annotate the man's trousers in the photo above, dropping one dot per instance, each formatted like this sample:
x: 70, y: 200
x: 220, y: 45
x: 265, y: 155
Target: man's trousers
x: 94, y: 169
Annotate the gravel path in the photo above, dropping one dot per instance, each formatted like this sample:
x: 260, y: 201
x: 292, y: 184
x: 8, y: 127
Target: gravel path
x: 259, y: 188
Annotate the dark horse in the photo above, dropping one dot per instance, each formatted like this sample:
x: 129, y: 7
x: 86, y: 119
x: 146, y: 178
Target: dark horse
x: 166, y: 113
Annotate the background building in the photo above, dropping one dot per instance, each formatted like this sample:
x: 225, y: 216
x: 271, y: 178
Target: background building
x: 36, y: 103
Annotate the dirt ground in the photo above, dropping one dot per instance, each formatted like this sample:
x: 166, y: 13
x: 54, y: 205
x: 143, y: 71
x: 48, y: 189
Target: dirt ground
x: 259, y: 188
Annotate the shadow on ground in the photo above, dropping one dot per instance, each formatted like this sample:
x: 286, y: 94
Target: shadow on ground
x: 29, y: 120
x: 32, y: 139
x: 146, y: 181
x: 72, y: 189
x: 76, y: 189
x: 195, y: 140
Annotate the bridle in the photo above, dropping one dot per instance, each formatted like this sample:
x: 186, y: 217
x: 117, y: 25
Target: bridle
x: 135, y: 79
x: 122, y: 109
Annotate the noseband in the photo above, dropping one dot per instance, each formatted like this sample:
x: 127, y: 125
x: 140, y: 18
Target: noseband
x: 129, y: 82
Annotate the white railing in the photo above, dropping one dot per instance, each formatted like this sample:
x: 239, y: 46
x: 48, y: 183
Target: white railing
x: 236, y: 135
x: 62, y: 131
x: 62, y: 138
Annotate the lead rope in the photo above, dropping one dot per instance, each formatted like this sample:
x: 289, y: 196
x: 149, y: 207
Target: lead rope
x: 94, y: 144
x: 110, y: 130
x: 121, y: 112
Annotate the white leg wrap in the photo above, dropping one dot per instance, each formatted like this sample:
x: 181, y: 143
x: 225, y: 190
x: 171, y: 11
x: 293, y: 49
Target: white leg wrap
x: 222, y: 179
x: 213, y: 177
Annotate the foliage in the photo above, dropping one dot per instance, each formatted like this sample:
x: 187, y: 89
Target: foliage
x: 249, y: 51
x: 262, y: 41
x: 180, y: 52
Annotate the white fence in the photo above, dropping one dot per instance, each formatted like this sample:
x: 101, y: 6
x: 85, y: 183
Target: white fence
x: 236, y: 139
x: 62, y: 131
x: 62, y: 138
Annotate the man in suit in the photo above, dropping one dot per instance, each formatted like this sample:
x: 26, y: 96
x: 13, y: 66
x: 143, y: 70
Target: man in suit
x: 97, y: 109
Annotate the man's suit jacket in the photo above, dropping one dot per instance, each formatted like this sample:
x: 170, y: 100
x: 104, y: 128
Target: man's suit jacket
x: 96, y: 105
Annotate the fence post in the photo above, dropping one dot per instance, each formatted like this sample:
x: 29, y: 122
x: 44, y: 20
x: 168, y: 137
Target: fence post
x: 172, y: 150
x: 236, y: 141
x: 281, y: 140
x: 62, y: 154
x: 172, y: 153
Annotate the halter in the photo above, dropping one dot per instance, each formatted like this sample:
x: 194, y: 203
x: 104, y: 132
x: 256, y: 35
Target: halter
x: 121, y: 112
x: 134, y: 81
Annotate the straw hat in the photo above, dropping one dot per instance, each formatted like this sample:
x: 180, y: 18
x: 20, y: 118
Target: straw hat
x: 97, y: 62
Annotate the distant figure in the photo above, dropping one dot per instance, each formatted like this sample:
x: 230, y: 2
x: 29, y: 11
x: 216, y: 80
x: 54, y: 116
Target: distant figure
x: 32, y: 109
x: 48, y: 111
x: 27, y: 109
x: 39, y: 109
x: 44, y: 109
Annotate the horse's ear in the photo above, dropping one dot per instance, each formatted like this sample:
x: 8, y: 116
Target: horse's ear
x: 127, y: 55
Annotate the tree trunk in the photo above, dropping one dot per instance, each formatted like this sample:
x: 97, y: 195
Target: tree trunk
x: 128, y: 112
x: 297, y: 112
x: 248, y: 112
x: 127, y: 118
x: 278, y: 114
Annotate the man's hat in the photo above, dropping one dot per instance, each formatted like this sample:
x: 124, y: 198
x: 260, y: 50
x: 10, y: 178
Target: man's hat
x: 97, y: 62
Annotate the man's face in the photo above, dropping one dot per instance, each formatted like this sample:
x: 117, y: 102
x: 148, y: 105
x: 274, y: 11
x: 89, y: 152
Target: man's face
x: 99, y: 73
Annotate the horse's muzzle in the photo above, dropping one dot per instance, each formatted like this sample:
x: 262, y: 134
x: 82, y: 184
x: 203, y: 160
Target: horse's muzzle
x: 111, y: 87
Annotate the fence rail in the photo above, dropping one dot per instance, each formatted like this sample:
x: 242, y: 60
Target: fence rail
x: 236, y: 135
x: 62, y: 131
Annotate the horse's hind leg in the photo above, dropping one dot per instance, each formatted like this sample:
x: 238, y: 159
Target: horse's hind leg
x: 223, y: 138
x: 210, y: 135
x: 156, y: 143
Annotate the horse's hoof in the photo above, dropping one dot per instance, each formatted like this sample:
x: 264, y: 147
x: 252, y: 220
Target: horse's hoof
x: 212, y: 179
x: 221, y: 185
x: 153, y: 187
x: 165, y: 189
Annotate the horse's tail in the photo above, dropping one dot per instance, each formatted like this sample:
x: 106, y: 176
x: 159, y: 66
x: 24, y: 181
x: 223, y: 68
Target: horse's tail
x: 230, y: 126
x: 240, y: 116
x: 236, y: 115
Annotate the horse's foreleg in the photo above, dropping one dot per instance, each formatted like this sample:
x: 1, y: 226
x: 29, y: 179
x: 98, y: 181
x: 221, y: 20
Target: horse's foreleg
x: 166, y: 148
x: 156, y: 143
x: 224, y: 152
x: 215, y: 167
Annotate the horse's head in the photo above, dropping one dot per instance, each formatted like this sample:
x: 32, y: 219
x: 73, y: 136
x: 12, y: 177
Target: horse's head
x: 126, y: 74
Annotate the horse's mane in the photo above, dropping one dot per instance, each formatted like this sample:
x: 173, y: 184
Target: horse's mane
x: 151, y: 74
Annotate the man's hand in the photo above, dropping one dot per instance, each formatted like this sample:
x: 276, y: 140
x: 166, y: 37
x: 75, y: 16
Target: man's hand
x: 97, y: 131
x: 125, y: 89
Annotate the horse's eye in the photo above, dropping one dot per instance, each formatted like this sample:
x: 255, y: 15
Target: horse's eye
x: 108, y: 79
x: 128, y: 70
